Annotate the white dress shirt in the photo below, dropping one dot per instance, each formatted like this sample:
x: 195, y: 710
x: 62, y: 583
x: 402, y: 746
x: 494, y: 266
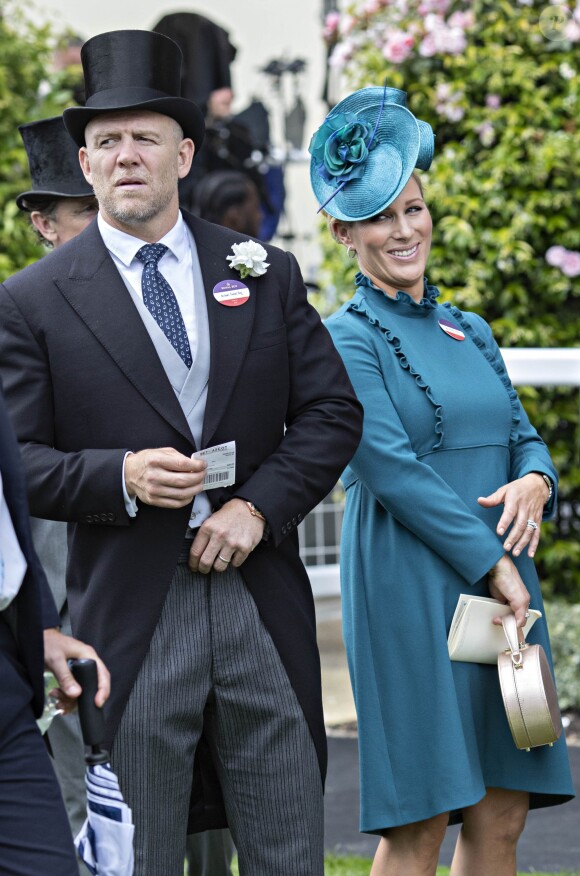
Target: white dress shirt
x: 175, y: 265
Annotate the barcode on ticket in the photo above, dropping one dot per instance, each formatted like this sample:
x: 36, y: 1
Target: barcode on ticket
x: 216, y: 477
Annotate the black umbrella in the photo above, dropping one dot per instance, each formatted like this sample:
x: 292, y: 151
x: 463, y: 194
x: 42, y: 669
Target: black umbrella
x: 105, y: 841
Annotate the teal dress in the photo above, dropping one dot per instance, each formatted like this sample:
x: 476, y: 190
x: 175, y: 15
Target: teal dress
x: 442, y: 426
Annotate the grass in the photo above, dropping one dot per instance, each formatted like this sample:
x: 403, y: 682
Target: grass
x: 343, y: 865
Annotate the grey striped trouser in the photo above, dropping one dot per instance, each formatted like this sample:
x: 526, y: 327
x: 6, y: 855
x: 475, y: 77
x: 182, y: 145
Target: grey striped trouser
x: 210, y: 644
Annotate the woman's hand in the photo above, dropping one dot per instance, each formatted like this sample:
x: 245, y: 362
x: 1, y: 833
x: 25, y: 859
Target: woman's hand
x: 523, y: 501
x: 505, y: 584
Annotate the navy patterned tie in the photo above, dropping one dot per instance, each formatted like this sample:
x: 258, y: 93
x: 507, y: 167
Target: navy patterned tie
x: 160, y: 300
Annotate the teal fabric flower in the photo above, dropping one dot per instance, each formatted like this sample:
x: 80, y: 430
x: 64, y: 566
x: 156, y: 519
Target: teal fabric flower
x: 341, y: 147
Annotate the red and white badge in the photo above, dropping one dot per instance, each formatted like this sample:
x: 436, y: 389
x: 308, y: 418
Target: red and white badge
x: 451, y: 329
x: 231, y: 293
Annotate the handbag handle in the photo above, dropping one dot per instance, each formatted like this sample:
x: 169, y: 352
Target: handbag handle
x: 512, y: 635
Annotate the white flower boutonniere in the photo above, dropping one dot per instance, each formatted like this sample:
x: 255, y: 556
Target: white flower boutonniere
x: 249, y: 259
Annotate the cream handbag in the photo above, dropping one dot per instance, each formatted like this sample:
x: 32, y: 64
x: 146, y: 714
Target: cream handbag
x: 528, y: 690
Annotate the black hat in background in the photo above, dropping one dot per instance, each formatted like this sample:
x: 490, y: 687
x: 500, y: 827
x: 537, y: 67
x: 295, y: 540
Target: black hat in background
x: 53, y: 159
x: 129, y: 70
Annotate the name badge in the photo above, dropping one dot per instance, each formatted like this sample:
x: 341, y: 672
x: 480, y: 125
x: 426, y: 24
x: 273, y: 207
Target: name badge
x: 231, y: 293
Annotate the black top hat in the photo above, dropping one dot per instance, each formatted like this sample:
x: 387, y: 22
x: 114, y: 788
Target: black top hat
x: 53, y: 159
x: 133, y: 69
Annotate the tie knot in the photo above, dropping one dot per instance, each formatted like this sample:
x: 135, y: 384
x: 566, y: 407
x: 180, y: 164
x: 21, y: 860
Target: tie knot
x: 151, y: 252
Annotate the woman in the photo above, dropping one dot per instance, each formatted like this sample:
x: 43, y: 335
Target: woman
x: 444, y: 496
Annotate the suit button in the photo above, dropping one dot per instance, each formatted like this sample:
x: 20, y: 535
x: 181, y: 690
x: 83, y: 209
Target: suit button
x: 294, y: 521
x: 284, y: 529
x: 299, y: 518
x: 110, y: 517
x: 104, y: 517
x: 89, y: 518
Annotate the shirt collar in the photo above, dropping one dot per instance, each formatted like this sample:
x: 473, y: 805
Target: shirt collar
x: 125, y: 246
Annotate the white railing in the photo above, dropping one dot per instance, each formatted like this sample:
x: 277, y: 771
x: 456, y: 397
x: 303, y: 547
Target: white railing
x: 320, y: 532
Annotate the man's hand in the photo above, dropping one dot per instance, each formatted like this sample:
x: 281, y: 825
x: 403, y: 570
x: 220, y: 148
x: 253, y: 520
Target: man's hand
x: 228, y: 536
x: 164, y: 477
x: 57, y: 650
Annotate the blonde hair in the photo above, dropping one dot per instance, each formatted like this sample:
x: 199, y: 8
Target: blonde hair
x: 330, y: 219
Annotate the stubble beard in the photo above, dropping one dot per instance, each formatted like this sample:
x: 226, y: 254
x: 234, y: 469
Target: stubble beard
x: 134, y: 212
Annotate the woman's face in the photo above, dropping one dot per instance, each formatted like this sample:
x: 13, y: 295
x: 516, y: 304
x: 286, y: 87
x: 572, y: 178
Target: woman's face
x: 392, y: 247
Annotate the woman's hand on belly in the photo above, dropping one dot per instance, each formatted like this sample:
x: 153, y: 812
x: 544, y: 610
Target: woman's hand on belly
x: 523, y: 501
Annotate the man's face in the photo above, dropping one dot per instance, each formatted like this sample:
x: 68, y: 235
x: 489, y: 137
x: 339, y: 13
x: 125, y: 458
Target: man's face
x: 70, y: 217
x: 133, y: 160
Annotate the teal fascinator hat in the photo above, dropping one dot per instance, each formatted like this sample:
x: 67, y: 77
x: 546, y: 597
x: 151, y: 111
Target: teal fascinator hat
x: 365, y: 151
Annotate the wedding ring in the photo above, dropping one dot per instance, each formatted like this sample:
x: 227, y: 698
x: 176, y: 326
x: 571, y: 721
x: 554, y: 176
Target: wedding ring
x: 223, y: 559
x: 527, y: 614
x: 532, y: 524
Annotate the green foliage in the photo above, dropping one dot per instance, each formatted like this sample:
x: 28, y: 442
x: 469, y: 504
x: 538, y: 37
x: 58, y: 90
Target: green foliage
x: 26, y: 94
x: 503, y: 189
x: 564, y: 623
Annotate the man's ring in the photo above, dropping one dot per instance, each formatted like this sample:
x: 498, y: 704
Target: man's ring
x: 223, y: 559
x: 532, y: 524
x: 527, y: 614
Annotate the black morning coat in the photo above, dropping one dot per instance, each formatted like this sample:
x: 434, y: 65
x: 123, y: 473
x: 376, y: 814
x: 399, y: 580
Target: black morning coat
x: 84, y: 385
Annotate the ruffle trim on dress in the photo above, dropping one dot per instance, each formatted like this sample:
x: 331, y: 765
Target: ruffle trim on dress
x: 360, y: 305
x: 495, y: 362
x: 427, y: 302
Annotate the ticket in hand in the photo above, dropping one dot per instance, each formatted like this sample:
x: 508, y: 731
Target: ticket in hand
x: 221, y: 465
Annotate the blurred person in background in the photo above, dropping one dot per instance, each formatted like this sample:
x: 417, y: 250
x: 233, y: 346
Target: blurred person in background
x: 231, y: 199
x: 233, y: 141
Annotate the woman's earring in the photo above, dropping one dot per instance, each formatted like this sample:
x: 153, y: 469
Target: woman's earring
x: 351, y: 252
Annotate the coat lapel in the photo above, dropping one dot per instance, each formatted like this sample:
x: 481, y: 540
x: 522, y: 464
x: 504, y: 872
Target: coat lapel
x: 229, y: 327
x: 97, y: 293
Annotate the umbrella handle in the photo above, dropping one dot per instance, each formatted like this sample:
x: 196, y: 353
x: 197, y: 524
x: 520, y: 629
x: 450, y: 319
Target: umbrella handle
x: 91, y: 717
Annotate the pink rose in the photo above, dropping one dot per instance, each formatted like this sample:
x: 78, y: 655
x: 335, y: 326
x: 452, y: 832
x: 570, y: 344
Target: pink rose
x: 555, y: 256
x: 428, y: 48
x: 572, y: 31
x: 331, y: 23
x: 464, y: 20
x: 454, y: 113
x: 450, y: 40
x: 571, y: 264
x: 341, y: 54
x: 433, y: 22
x: 398, y: 47
x: 347, y: 22
x: 486, y: 133
x: 439, y: 6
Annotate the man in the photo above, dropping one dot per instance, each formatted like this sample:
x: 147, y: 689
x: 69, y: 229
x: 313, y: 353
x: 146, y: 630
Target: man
x: 34, y: 833
x: 196, y: 596
x: 60, y: 204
